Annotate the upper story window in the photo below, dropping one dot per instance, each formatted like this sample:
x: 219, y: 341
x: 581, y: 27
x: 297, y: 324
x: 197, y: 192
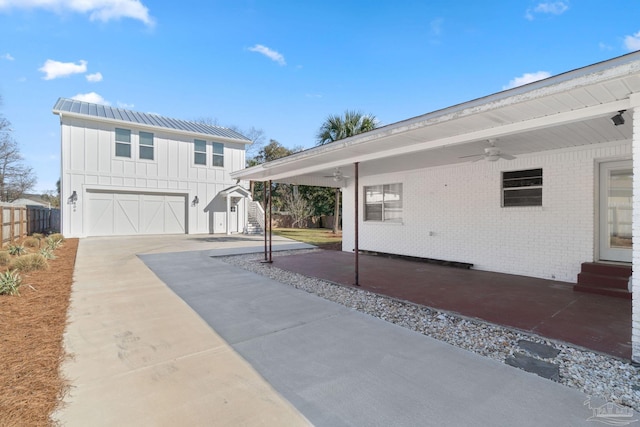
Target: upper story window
x: 383, y: 203
x: 218, y: 154
x: 522, y: 188
x: 146, y: 145
x: 123, y: 143
x: 200, y: 152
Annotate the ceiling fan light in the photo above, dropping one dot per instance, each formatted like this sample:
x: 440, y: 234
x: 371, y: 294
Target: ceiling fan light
x: 492, y: 157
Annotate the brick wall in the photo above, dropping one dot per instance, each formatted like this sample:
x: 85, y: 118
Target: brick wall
x: 635, y: 316
x: 454, y: 213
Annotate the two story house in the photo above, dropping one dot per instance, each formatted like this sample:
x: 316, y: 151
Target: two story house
x: 131, y: 173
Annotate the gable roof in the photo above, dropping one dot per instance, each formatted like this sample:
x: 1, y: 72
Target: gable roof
x: 71, y: 107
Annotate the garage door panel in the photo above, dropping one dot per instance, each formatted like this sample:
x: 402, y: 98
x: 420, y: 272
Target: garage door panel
x: 135, y: 213
x: 174, y: 215
x: 126, y: 215
x: 100, y: 216
x: 153, y: 215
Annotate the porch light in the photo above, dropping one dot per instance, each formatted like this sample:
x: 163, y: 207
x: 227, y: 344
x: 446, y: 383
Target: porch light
x: 73, y: 198
x: 195, y: 201
x: 618, y: 119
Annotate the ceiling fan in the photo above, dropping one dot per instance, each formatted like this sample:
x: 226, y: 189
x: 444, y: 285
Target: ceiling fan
x: 337, y: 175
x: 491, y: 153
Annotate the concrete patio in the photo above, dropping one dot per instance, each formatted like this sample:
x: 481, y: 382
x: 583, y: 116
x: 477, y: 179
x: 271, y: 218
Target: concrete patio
x: 544, y: 307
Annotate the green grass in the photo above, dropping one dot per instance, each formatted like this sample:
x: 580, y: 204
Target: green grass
x: 312, y: 236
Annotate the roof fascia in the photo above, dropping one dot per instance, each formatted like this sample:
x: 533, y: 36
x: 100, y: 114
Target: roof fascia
x: 589, y: 75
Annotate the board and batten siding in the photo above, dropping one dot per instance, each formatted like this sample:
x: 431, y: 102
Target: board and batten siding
x: 454, y: 213
x: 89, y: 163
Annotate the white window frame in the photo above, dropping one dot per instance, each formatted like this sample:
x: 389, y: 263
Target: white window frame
x: 122, y: 142
x: 196, y: 152
x: 391, y: 211
x: 217, y: 155
x: 527, y: 182
x: 142, y: 145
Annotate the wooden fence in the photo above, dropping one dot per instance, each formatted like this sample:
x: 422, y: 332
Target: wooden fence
x: 21, y: 221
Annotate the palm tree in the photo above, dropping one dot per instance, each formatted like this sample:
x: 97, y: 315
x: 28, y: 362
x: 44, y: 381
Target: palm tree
x: 339, y: 127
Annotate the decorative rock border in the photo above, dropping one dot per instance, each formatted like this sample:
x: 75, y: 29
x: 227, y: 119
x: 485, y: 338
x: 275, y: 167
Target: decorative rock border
x: 593, y: 373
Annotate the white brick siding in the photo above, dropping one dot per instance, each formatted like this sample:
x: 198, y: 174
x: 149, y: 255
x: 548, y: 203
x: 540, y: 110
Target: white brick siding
x: 454, y: 213
x: 635, y: 316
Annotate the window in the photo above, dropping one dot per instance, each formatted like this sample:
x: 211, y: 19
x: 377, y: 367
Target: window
x: 383, y: 203
x: 522, y: 188
x: 218, y: 154
x: 200, y: 149
x: 146, y: 145
x: 123, y: 143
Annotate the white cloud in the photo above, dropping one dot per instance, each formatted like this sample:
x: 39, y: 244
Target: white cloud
x: 271, y: 54
x: 98, y: 10
x: 632, y: 42
x: 95, y: 77
x: 125, y: 105
x: 55, y: 69
x: 436, y: 26
x: 7, y: 56
x: 92, y: 97
x: 551, y: 8
x: 527, y: 78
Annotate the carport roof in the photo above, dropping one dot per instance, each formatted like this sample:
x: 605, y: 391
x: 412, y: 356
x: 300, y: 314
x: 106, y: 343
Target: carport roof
x: 563, y: 111
x: 72, y: 107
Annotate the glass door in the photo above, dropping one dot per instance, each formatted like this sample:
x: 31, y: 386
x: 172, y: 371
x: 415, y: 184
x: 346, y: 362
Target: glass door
x: 616, y: 193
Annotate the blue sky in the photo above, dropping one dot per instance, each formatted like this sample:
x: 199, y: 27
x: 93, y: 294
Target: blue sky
x: 281, y: 65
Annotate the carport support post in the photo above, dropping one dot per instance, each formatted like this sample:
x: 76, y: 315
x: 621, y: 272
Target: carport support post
x: 357, y: 250
x: 267, y: 221
x: 270, y: 222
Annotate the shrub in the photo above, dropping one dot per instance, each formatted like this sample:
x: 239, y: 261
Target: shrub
x: 16, y: 249
x: 47, y: 253
x: 30, y: 262
x: 31, y: 242
x: 5, y: 258
x: 57, y: 237
x: 38, y: 236
x: 10, y: 281
x: 53, y: 244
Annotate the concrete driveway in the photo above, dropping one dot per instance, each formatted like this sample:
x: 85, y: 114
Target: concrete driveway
x: 142, y: 357
x: 203, y: 343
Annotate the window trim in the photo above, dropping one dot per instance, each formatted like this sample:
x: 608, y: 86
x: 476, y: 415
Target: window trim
x: 119, y: 143
x: 215, y: 155
x: 196, y: 152
x: 531, y: 200
x: 383, y: 218
x: 141, y: 146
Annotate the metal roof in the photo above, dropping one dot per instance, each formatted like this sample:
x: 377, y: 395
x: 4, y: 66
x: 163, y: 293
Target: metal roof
x: 104, y: 112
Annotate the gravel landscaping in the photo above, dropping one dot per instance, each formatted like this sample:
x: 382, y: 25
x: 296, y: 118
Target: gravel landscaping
x: 597, y: 375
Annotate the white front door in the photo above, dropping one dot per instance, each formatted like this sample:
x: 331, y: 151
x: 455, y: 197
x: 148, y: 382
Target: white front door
x: 616, y: 193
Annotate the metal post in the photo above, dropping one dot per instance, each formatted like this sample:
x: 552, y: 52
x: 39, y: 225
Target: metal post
x: 270, y: 221
x: 357, y: 250
x: 264, y: 198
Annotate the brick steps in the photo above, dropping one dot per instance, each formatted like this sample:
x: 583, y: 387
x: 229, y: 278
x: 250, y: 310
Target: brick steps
x: 604, y: 279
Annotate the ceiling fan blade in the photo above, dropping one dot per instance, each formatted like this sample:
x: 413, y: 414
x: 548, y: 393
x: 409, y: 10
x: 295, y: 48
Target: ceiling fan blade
x: 507, y: 156
x: 472, y: 155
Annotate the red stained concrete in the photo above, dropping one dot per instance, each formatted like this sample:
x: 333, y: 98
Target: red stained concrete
x: 547, y: 308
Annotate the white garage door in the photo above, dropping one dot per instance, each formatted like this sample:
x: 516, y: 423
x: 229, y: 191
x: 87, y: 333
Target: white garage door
x: 112, y: 214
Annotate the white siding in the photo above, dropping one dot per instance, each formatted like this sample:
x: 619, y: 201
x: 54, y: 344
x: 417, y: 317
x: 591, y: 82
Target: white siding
x: 89, y: 163
x: 454, y: 213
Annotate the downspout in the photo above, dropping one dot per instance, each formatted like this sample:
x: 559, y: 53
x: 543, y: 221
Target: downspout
x: 357, y: 250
